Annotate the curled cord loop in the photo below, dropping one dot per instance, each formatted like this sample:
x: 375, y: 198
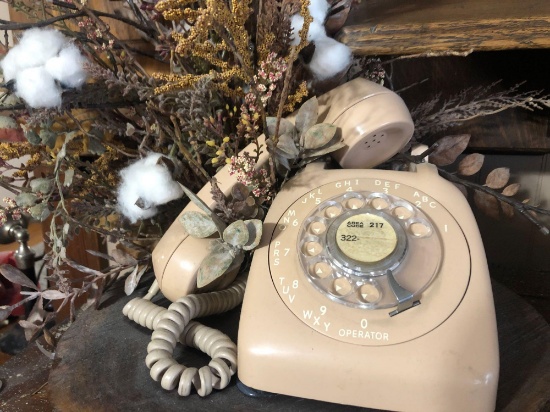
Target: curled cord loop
x: 175, y: 324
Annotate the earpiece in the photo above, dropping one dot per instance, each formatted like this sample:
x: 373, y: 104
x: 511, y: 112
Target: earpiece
x: 374, y: 121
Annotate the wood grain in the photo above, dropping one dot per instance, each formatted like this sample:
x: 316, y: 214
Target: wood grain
x: 396, y: 27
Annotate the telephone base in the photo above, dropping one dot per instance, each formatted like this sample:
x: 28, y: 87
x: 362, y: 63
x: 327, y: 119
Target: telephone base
x: 253, y: 393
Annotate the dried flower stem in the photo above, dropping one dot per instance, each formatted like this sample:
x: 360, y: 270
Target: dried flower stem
x: 522, y: 208
x: 188, y: 156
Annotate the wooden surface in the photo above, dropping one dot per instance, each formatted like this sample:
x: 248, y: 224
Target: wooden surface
x: 382, y: 27
x: 100, y: 366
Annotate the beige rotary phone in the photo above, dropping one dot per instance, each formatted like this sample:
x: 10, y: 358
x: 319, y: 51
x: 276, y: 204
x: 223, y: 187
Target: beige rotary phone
x: 369, y: 287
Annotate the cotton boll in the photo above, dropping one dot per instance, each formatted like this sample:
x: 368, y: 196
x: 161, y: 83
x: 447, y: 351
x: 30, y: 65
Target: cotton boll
x: 10, y: 65
x: 127, y: 198
x: 67, y: 67
x: 318, y: 10
x: 37, y: 88
x: 148, y: 181
x: 316, y: 30
x: 39, y: 45
x: 330, y: 58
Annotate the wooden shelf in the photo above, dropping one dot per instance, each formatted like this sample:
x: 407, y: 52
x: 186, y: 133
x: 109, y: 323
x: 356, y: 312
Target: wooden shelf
x: 399, y: 27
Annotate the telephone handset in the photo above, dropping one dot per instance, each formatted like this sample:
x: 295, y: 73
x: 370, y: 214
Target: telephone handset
x: 375, y: 124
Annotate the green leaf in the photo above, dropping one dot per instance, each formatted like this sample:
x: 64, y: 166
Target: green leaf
x: 25, y: 199
x: 41, y: 185
x: 239, y: 192
x: 7, y: 122
x: 287, y: 145
x: 48, y: 138
x: 282, y: 161
x: 33, y: 137
x: 324, y: 151
x: 215, y: 264
x: 285, y: 127
x: 319, y: 135
x: 40, y: 211
x: 236, y: 234
x: 220, y: 225
x: 95, y: 146
x: 198, y: 224
x: 307, y: 115
x: 254, y: 227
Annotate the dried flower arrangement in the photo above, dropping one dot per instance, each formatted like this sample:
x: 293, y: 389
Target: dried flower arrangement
x: 112, y: 148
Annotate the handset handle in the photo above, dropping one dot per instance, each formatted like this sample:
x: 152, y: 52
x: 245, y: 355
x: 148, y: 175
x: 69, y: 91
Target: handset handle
x: 175, y: 259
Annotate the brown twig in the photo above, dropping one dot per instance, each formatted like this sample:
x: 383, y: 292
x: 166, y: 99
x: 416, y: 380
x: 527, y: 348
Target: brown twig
x: 522, y: 208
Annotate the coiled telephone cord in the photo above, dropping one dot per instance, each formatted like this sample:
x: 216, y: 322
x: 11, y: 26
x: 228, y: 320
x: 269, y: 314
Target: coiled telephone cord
x: 175, y: 324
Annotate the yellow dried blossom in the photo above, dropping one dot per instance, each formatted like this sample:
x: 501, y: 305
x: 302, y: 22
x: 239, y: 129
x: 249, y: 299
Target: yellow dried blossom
x: 296, y: 98
x: 227, y: 24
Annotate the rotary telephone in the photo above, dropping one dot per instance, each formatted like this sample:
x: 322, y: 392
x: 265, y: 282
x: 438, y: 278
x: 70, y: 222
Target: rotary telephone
x: 369, y: 287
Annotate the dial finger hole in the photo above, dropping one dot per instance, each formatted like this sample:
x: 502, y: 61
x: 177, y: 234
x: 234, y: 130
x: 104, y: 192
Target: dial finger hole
x: 420, y: 229
x: 402, y: 212
x: 321, y: 270
x: 312, y: 248
x: 369, y: 293
x: 355, y: 203
x: 341, y: 287
x: 333, y: 211
x: 317, y: 227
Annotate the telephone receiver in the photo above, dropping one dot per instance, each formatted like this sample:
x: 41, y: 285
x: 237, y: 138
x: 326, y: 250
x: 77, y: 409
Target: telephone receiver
x: 375, y: 124
x: 369, y: 287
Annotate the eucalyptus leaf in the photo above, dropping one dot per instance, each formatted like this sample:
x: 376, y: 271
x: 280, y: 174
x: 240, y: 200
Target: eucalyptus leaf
x: 40, y: 211
x: 95, y: 146
x: 281, y: 153
x: 254, y: 227
x: 48, y: 138
x: 41, y: 184
x: 287, y: 145
x: 239, y: 191
x: 215, y: 264
x: 7, y: 122
x: 25, y: 199
x: 285, y: 127
x: 282, y: 162
x: 318, y: 135
x: 33, y: 137
x: 324, y: 151
x: 307, y: 115
x: 198, y: 224
x: 236, y: 234
x: 220, y: 225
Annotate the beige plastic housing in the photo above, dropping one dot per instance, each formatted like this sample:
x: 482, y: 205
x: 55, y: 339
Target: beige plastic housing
x: 441, y: 355
x: 362, y: 109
